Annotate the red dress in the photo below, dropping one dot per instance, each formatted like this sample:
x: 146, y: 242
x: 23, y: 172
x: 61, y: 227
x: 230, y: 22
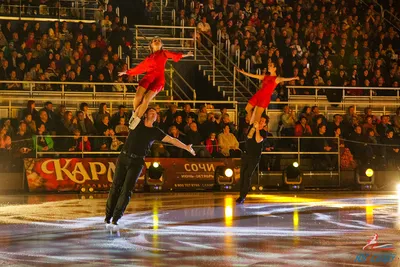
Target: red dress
x: 154, y: 66
x: 263, y: 96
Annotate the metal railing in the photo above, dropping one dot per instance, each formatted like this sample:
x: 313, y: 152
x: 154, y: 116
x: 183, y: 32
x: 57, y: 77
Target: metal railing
x: 229, y: 66
x: 392, y: 19
x: 372, y: 91
x: 384, y: 108
x: 382, y: 13
x: 63, y: 89
x: 60, y: 145
x: 181, y: 90
x: 76, y: 12
x: 13, y: 103
x: 140, y: 36
x: 296, y: 140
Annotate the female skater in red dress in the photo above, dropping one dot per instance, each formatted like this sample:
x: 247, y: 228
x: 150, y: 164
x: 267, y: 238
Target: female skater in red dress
x: 153, y: 82
x: 260, y: 100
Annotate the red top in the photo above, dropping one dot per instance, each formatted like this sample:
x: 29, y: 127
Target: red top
x: 210, y: 147
x: 299, y: 130
x: 269, y: 83
x: 155, y: 63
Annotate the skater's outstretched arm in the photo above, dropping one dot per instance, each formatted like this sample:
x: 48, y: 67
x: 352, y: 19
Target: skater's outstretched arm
x: 177, y: 56
x: 256, y: 76
x: 139, y: 69
x: 177, y: 143
x: 259, y: 138
x: 281, y: 79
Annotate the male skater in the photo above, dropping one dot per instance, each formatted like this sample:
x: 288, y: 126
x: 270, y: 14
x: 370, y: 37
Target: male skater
x: 251, y: 158
x: 131, y: 161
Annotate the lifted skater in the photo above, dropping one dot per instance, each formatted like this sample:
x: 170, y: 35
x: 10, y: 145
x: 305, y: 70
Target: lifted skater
x: 251, y: 157
x: 260, y: 100
x: 153, y: 81
x: 131, y: 161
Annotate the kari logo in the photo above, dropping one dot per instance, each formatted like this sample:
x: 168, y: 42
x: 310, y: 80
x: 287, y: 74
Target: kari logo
x: 380, y: 253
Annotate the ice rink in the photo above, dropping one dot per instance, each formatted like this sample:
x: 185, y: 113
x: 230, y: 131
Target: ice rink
x: 203, y: 229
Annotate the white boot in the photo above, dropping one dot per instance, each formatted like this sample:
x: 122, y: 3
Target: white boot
x: 134, y: 123
x: 132, y: 117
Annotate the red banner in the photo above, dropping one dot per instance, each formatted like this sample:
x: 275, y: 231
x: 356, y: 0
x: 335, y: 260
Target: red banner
x: 72, y: 174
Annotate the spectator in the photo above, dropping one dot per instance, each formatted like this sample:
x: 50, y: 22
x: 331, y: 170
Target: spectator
x: 321, y: 144
x: 392, y: 151
x: 48, y: 124
x: 368, y: 125
x: 306, y: 112
x: 121, y: 129
x: 189, y: 121
x: 228, y: 143
x: 84, y: 107
x: 226, y: 121
x: 384, y: 126
x: 288, y: 121
x: 170, y: 114
x: 116, y: 144
x: 9, y: 128
x: 193, y: 137
x: 212, y: 146
x: 302, y: 128
x: 357, y: 145
x: 202, y: 115
x: 209, y: 126
x: 101, y: 113
x: 178, y: 123
x: 205, y: 28
x: 5, y: 149
x: 348, y: 117
x: 119, y: 86
x: 85, y: 125
x: 121, y: 113
x: 174, y: 151
x: 31, y: 124
x: 43, y: 142
x: 187, y: 111
x: 22, y: 143
x: 396, y: 122
x: 86, y: 144
x: 337, y: 122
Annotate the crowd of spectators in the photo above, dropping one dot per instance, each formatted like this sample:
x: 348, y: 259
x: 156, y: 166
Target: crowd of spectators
x: 366, y: 138
x: 324, y: 43
x: 59, y: 130
x: 361, y: 139
x: 62, y: 51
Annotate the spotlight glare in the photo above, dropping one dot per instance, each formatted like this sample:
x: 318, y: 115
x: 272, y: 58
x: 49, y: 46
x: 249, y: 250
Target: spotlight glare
x: 369, y: 172
x: 228, y: 172
x: 260, y: 188
x: 91, y: 189
x: 398, y: 188
x: 83, y: 190
x: 295, y: 164
x: 253, y: 188
x: 156, y: 164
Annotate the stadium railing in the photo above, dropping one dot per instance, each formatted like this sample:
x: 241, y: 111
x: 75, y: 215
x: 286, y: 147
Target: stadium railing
x: 67, y: 10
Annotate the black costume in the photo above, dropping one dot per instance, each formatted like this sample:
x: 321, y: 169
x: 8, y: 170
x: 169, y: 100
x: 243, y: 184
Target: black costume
x: 129, y: 166
x: 250, y: 159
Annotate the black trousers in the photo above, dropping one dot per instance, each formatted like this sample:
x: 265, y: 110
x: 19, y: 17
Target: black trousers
x: 126, y: 174
x: 248, y: 166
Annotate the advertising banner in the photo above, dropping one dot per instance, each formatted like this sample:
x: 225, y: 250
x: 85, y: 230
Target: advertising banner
x: 73, y: 174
